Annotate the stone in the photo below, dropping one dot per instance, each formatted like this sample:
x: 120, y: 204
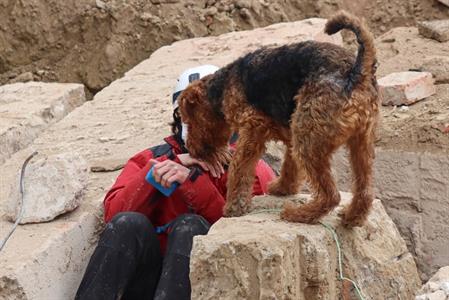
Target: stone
x: 405, y: 88
x: 47, y: 260
x: 437, y: 287
x: 100, y: 4
x: 53, y: 185
x: 46, y: 103
x: 414, y: 188
x: 438, y: 66
x: 108, y: 165
x: 437, y: 30
x: 24, y: 77
x: 445, y: 2
x: 259, y: 256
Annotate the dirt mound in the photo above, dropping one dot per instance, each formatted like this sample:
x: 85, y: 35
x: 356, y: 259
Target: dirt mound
x: 423, y: 126
x: 95, y: 42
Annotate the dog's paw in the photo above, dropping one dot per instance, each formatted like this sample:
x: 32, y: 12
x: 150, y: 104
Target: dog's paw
x: 294, y: 213
x: 351, y: 220
x: 276, y: 188
x: 235, y: 210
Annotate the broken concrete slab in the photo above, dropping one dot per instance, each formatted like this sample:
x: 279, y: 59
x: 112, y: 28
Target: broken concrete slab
x: 53, y: 185
x: 260, y: 256
x: 415, y: 189
x: 46, y: 261
x: 26, y: 109
x: 437, y: 288
x: 437, y: 30
x: 405, y: 88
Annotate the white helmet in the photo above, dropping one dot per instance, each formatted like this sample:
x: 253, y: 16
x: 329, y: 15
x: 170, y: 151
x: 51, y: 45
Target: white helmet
x: 188, y: 76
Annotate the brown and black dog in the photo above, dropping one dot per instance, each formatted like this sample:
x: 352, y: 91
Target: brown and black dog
x: 314, y: 97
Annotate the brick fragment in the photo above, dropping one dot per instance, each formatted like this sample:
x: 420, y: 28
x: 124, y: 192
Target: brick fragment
x: 404, y: 88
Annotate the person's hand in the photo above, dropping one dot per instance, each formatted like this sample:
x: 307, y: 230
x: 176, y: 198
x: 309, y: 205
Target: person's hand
x: 168, y: 171
x: 216, y: 169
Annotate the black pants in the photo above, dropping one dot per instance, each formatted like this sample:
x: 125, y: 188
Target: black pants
x: 128, y: 264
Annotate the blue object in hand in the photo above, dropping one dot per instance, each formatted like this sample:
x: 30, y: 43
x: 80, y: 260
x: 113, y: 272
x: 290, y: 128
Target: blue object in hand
x: 166, y: 191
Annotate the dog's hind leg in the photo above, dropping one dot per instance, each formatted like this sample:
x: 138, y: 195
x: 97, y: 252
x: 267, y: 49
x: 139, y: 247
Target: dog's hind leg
x: 291, y: 178
x: 250, y: 147
x: 361, y: 149
x: 325, y: 194
x: 314, y: 144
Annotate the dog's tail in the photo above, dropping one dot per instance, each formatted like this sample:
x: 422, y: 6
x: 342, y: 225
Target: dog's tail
x: 365, y: 64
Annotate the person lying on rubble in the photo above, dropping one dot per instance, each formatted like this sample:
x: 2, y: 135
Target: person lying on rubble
x: 144, y: 251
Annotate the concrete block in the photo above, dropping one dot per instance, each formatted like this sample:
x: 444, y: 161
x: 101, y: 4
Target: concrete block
x: 411, y: 227
x: 396, y: 180
x: 46, y: 261
x: 404, y: 88
x: 53, y: 185
x: 437, y: 288
x: 415, y: 189
x: 261, y: 257
x: 437, y: 30
x: 46, y: 103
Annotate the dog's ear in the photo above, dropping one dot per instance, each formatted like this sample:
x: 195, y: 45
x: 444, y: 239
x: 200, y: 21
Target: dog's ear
x: 194, y: 94
x: 191, y: 98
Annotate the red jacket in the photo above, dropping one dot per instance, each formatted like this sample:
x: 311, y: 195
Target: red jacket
x: 201, y: 194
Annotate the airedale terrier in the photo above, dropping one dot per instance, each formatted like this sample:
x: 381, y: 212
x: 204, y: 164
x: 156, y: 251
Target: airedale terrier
x: 314, y: 97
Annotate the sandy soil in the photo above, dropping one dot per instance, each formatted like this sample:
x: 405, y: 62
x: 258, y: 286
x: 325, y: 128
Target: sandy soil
x: 423, y: 126
x: 95, y: 41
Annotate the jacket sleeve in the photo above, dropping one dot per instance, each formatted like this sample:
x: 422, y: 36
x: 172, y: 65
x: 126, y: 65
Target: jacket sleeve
x: 208, y: 199
x: 131, y: 191
x: 264, y: 175
x: 200, y: 194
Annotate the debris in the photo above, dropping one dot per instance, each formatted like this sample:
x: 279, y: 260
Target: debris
x: 53, y: 185
x: 24, y: 77
x: 100, y: 4
x: 437, y: 288
x: 437, y: 30
x: 109, y: 165
x: 27, y: 109
x: 404, y: 88
x: 267, y: 258
x: 446, y: 128
x: 438, y: 66
x: 445, y: 2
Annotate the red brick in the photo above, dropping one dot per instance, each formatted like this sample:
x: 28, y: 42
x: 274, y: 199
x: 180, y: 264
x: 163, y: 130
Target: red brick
x: 404, y: 88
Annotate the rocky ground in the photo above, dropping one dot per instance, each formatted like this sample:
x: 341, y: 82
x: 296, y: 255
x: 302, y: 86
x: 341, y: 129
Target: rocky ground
x: 95, y: 41
x: 425, y: 124
x: 132, y: 113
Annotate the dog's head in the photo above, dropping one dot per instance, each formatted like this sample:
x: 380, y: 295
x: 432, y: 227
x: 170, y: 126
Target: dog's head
x: 207, y: 131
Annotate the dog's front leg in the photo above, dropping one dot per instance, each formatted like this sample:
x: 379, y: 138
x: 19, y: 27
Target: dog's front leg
x: 250, y: 147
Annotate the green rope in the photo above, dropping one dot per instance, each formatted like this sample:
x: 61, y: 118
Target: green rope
x: 340, y: 261
x: 22, y: 203
x: 337, y: 243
